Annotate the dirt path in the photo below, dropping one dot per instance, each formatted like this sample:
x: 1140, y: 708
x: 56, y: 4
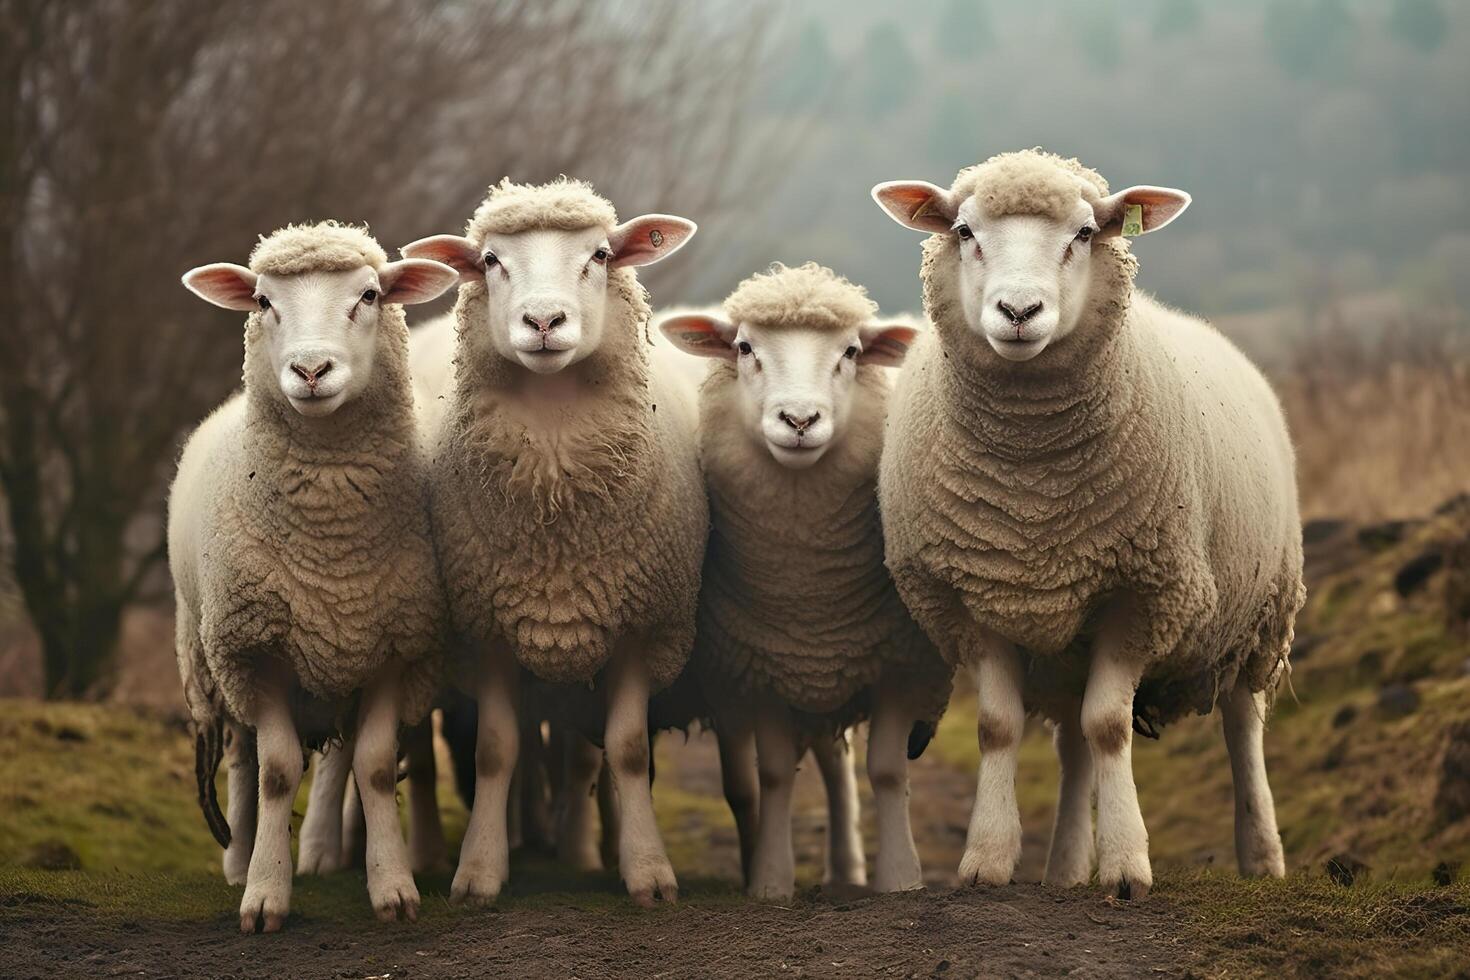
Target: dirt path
x: 1021, y: 931
x: 1018, y: 931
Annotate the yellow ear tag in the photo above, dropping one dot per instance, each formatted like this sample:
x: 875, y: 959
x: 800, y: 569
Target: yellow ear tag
x: 1132, y: 220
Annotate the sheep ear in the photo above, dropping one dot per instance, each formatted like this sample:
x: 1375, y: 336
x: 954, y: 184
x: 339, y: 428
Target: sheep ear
x: 1157, y: 206
x: 917, y: 204
x: 223, y: 284
x: 415, y: 281
x: 460, y: 254
x: 886, y: 344
x: 700, y: 335
x: 648, y: 239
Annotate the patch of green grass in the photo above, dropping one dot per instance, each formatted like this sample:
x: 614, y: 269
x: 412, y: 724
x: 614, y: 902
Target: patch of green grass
x: 1308, y: 926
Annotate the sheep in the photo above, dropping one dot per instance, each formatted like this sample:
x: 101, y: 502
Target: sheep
x: 798, y: 616
x: 1090, y: 502
x: 566, y: 498
x: 299, y: 544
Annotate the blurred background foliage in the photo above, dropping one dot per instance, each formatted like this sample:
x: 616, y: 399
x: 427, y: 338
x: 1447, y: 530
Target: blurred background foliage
x: 1326, y: 143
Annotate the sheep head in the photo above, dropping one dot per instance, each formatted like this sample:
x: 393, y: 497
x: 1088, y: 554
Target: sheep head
x: 1019, y: 232
x: 315, y: 294
x: 547, y: 256
x: 796, y: 338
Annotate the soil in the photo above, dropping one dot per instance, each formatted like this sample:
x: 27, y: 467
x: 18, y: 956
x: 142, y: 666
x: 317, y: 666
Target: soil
x: 1021, y: 931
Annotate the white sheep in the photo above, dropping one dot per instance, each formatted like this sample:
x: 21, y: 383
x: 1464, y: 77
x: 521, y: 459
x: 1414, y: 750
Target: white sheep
x: 1090, y: 502
x: 299, y: 543
x: 568, y: 508
x: 798, y: 616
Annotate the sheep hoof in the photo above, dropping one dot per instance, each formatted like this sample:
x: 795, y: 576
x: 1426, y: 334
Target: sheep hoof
x: 256, y: 917
x: 474, y: 887
x: 1127, y: 890
x: 652, y: 881
x: 978, y: 867
x: 403, y: 908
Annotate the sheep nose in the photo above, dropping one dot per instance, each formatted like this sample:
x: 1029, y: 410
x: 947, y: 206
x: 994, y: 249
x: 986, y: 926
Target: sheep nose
x: 1018, y: 318
x: 799, y: 424
x: 545, y: 323
x: 312, y: 375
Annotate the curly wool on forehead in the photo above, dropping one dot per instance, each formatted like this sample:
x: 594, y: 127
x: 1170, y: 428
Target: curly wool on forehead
x: 810, y: 296
x: 323, y: 247
x: 1029, y: 182
x: 562, y: 204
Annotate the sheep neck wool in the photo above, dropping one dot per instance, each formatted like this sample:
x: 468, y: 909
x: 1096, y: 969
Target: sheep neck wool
x: 565, y: 536
x: 795, y: 598
x: 328, y: 518
x: 1023, y: 495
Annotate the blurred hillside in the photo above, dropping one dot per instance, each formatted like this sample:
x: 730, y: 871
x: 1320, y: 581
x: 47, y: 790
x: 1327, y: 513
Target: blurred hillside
x: 1326, y: 142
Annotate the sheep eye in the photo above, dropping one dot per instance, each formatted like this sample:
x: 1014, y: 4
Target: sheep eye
x: 369, y: 295
x: 1086, y: 234
x: 265, y: 304
x: 964, y: 232
x: 601, y: 255
x: 850, y: 353
x: 490, y: 259
x: 743, y: 347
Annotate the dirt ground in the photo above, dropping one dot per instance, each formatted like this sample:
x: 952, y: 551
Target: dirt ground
x: 556, y: 924
x: 1021, y: 931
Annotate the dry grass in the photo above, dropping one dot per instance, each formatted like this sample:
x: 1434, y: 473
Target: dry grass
x: 1382, y: 422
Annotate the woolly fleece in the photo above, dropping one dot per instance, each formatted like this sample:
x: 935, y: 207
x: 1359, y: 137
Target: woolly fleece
x: 809, y: 296
x: 324, y: 247
x: 565, y: 205
x: 1142, y: 453
x: 1029, y: 182
x: 796, y: 599
x: 306, y: 539
x: 564, y: 542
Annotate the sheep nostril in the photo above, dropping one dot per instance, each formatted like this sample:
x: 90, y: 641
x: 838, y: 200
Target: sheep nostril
x: 1018, y: 318
x: 800, y: 425
x: 312, y: 375
x: 546, y: 324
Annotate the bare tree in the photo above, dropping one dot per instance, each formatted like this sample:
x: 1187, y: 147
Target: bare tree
x: 137, y: 140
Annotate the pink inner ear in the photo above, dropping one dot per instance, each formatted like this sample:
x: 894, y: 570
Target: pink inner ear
x: 698, y: 335
x: 458, y: 253
x: 645, y: 240
x: 888, y: 349
x: 416, y: 281
x: 1157, y: 207
x: 224, y: 285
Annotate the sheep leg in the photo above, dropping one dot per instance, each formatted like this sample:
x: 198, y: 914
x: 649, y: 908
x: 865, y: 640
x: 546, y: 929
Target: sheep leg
x: 538, y: 828
x: 242, y: 780
x: 607, y: 812
x: 993, y: 845
x: 576, y: 824
x: 1257, y: 842
x: 515, y: 830
x: 773, y: 872
x: 375, y: 768
x: 354, y: 830
x: 735, y: 734
x: 1107, y: 724
x: 888, y: 772
x: 1069, y: 861
x: 642, y: 860
x: 278, y: 749
x: 846, y: 864
x: 484, y: 856
x: 426, y: 848
x: 319, y: 850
